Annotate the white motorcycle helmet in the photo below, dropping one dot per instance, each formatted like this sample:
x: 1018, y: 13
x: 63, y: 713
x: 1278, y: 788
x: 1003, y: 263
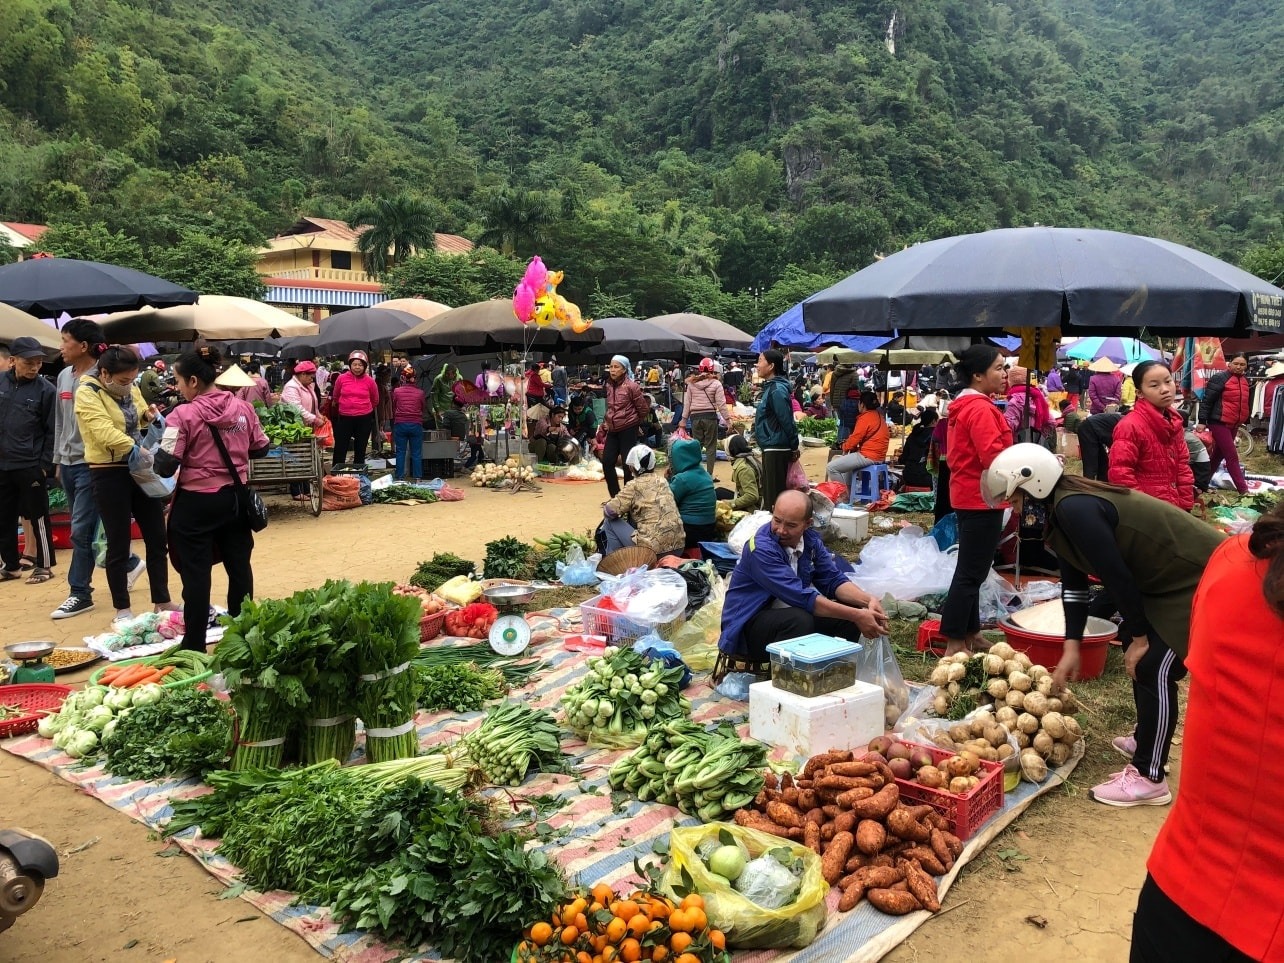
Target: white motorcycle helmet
x: 1027, y: 467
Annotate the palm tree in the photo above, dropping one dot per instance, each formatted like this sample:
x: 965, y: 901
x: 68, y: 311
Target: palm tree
x: 516, y: 221
x: 397, y: 226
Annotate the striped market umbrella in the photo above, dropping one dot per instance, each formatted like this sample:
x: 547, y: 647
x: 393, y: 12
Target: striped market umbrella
x: 1118, y: 350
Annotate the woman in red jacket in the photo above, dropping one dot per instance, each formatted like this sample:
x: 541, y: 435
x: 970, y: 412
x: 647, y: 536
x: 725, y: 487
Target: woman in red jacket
x: 353, y: 399
x: 1227, y: 405
x: 977, y: 433
x: 626, y: 409
x: 1212, y: 892
x: 1148, y: 453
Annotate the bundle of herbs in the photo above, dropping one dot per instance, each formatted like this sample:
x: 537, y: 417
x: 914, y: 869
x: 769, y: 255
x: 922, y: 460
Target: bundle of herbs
x: 436, y: 876
x: 457, y: 686
x: 328, y: 727
x: 441, y: 568
x: 269, y: 660
x: 186, y: 732
x: 513, y: 740
x: 506, y: 558
x: 516, y: 672
x: 384, y: 628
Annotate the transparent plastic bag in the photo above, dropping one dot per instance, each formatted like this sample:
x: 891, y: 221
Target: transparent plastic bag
x: 578, y: 570
x: 932, y: 731
x: 735, y: 686
x: 747, y: 924
x: 697, y: 638
x: 649, y: 596
x: 907, y: 565
x: 745, y: 528
x: 876, y: 664
x: 142, y: 470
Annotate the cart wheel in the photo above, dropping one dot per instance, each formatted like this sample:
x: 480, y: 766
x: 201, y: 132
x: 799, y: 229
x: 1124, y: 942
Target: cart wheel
x: 314, y: 490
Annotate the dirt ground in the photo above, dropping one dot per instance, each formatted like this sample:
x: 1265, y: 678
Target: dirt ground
x: 1068, y: 861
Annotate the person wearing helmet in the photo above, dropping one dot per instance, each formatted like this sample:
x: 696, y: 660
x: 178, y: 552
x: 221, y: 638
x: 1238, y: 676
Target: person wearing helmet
x: 644, y: 512
x: 152, y: 385
x: 705, y: 407
x: 1149, y: 555
x: 977, y: 433
x: 353, y: 401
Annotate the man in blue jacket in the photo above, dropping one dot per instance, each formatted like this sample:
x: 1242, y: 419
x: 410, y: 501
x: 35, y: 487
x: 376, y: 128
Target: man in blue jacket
x: 788, y: 584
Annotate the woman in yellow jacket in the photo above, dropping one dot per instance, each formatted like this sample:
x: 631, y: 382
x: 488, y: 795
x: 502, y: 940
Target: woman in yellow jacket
x: 111, y: 414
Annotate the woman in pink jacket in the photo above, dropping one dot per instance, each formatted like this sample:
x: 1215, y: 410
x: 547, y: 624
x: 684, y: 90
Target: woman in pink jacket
x: 205, y: 515
x: 353, y: 401
x: 1148, y: 452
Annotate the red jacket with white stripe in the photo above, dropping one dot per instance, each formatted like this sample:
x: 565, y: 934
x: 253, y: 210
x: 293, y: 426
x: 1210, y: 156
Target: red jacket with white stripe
x: 1148, y: 454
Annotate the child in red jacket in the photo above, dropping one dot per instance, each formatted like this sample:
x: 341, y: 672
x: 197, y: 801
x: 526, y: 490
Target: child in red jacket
x: 1148, y: 452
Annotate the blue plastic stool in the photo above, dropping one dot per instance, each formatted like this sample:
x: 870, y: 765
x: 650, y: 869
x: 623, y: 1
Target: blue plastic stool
x: 869, y: 483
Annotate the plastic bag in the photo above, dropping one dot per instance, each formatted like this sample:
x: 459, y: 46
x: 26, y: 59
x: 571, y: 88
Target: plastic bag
x: 745, y: 528
x: 461, y: 590
x: 795, y: 477
x: 822, y: 508
x: 998, y: 597
x: 649, y: 596
x: 578, y: 570
x: 651, y: 646
x: 836, y: 492
x: 906, y: 565
x: 323, y: 431
x: 697, y: 638
x: 735, y: 685
x: 142, y: 470
x: 747, y: 924
x: 917, y: 726
x: 946, y: 532
x: 364, y: 491
x: 876, y: 664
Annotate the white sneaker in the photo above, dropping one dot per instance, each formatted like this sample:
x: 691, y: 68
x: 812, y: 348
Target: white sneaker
x: 120, y: 618
x: 135, y: 574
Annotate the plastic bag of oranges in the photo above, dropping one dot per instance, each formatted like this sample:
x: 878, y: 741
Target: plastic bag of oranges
x: 602, y: 927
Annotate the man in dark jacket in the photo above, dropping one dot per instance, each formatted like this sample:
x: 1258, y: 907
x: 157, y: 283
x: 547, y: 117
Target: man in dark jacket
x: 27, y: 403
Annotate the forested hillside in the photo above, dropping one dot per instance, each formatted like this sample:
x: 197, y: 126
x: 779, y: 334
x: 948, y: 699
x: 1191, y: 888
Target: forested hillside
x: 724, y: 155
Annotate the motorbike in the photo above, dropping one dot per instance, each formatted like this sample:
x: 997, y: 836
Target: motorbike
x: 26, y: 862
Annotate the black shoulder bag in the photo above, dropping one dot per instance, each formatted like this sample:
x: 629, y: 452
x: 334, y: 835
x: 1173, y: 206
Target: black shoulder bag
x: 249, y: 506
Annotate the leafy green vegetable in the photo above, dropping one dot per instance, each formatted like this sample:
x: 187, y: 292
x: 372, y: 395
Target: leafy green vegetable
x: 505, y: 558
x: 513, y: 740
x: 283, y: 423
x: 458, y: 686
x: 401, y: 493
x: 441, y: 568
x: 188, y: 731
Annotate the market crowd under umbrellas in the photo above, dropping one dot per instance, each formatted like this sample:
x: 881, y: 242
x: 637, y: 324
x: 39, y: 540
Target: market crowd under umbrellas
x: 497, y: 632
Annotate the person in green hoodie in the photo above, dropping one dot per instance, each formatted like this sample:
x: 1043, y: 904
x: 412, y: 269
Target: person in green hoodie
x: 692, y: 489
x: 746, y: 474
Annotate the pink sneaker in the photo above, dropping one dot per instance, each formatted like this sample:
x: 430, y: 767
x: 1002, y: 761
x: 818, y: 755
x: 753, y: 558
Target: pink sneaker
x: 1126, y: 746
x: 1131, y: 788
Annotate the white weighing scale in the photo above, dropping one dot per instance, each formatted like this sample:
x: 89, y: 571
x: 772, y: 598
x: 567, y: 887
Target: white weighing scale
x: 510, y: 635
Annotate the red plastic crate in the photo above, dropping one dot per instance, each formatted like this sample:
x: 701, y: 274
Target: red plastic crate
x: 968, y: 812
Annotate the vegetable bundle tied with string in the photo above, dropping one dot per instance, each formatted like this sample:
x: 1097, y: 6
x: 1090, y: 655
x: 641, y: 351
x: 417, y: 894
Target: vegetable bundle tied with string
x: 513, y: 740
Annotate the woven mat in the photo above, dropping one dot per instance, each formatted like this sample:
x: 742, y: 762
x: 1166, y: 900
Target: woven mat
x: 598, y: 845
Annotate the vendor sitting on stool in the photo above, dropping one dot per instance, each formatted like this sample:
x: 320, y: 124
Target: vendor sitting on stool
x: 549, y: 436
x: 788, y: 584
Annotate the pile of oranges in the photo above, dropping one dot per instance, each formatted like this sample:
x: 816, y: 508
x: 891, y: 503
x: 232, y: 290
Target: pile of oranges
x: 601, y: 927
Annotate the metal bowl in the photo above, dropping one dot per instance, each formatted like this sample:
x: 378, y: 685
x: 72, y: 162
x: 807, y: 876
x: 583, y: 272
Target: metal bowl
x: 23, y: 651
x: 509, y: 594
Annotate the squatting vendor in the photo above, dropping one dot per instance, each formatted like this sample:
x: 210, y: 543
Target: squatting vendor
x: 788, y: 584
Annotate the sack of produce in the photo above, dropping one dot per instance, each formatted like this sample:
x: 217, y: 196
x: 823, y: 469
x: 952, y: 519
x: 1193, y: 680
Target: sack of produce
x: 761, y: 891
x: 339, y: 493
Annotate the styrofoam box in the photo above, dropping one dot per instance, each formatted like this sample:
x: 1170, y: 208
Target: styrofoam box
x: 851, y: 522
x: 803, y: 727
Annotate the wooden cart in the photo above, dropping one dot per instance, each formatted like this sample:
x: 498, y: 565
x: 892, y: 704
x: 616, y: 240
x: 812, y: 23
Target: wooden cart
x: 298, y: 461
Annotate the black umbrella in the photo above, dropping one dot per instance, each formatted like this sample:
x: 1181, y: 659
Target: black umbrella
x: 489, y: 326
x: 362, y: 329
x: 641, y: 339
x: 48, y: 286
x: 1096, y: 282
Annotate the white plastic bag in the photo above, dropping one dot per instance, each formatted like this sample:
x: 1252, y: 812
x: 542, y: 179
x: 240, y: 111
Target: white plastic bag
x: 578, y: 570
x: 906, y: 565
x: 649, y: 597
x: 745, y: 528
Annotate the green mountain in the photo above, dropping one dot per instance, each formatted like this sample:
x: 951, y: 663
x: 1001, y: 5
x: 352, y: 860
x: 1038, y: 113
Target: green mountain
x: 729, y: 155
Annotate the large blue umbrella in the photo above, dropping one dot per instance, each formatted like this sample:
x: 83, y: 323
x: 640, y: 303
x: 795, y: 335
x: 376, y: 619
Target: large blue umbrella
x: 1044, y: 277
x: 788, y: 331
x: 1118, y: 350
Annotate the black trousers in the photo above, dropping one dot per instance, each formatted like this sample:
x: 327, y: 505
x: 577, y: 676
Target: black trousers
x: 778, y: 625
x: 24, y: 494
x: 118, y: 498
x: 617, y: 443
x: 1163, y: 932
x: 699, y: 533
x: 352, y: 431
x: 942, y: 506
x: 199, y: 524
x: 979, y: 533
x: 1095, y: 453
x: 1155, y: 693
x: 775, y: 467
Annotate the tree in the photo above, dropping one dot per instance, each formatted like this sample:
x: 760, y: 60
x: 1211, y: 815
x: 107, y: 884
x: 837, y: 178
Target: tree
x: 209, y: 265
x: 1266, y: 260
x: 516, y: 221
x: 403, y: 224
x: 454, y: 279
x: 92, y: 242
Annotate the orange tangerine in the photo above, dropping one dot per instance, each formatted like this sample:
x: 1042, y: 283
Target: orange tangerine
x: 692, y: 899
x: 698, y: 919
x: 625, y: 909
x: 630, y: 951
x: 679, y: 942
x: 616, y: 929
x: 680, y: 921
x: 659, y: 954
x: 718, y: 939
x: 569, y: 935
x: 541, y: 933
x: 602, y: 893
x: 687, y: 958
x: 641, y: 924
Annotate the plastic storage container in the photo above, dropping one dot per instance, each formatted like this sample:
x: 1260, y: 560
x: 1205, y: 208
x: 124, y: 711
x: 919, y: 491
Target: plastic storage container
x: 851, y: 522
x: 967, y: 812
x: 813, y: 665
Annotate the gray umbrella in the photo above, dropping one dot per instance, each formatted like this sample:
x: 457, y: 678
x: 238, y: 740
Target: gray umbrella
x: 489, y: 326
x: 640, y: 339
x: 1095, y: 282
x: 48, y: 286
x: 363, y: 329
x: 706, y: 330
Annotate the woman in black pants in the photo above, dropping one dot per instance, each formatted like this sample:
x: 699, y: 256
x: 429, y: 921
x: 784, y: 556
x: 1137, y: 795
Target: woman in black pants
x: 626, y: 409
x: 774, y: 428
x: 212, y: 435
x: 354, y: 399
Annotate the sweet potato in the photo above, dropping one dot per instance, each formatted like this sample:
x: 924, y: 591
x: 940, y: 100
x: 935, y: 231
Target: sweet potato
x: 856, y: 861
x: 942, y: 850
x: 880, y: 804
x: 882, y: 859
x: 824, y: 759
x: 881, y: 877
x: 922, y: 886
x: 802, y: 783
x: 852, y: 796
x: 828, y: 796
x: 834, y: 858
x: 843, y: 783
x: 770, y: 780
x: 760, y: 822
x: 786, y: 780
x: 852, y: 895
x: 831, y: 810
x: 790, y: 797
x: 892, y: 902
x: 939, y: 821
x: 926, y: 858
x: 870, y: 837
x: 784, y: 814
x: 811, y: 837
x: 952, y: 841
x: 828, y: 831
x: 902, y: 823
x: 852, y: 769
x: 816, y: 816
x: 807, y: 800
x: 845, y: 821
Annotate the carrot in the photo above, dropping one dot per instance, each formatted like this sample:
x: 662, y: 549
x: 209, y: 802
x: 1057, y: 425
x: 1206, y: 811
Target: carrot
x: 150, y: 676
x: 109, y: 674
x: 165, y: 671
x: 128, y: 677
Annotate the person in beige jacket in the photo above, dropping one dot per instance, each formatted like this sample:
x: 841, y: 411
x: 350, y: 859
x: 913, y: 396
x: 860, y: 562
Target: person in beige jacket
x: 644, y: 512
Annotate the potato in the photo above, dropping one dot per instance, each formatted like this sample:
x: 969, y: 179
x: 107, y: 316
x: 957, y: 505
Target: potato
x: 940, y: 675
x: 1043, y: 684
x: 1023, y: 740
x: 1072, y: 728
x: 1059, y: 755
x: 960, y: 657
x: 959, y: 766
x: 960, y: 785
x: 1054, y: 704
x: 1042, y: 743
x: 941, y: 704
x: 1010, y: 666
x: 1028, y: 723
x: 1002, y: 650
x: 1036, y: 704
x: 1020, y: 681
x: 997, y: 688
x: 943, y: 740
x: 993, y: 664
x: 1033, y: 768
x: 1053, y: 725
x: 976, y: 728
x: 1005, y: 751
x: 960, y: 732
x: 1023, y: 660
x: 1007, y: 717
x: 996, y: 735
x: 955, y: 672
x: 932, y: 777
x: 953, y: 689
x: 1037, y: 672
x: 1015, y: 699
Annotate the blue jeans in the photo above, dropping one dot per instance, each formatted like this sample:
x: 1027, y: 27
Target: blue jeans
x: 84, y: 526
x: 409, y: 439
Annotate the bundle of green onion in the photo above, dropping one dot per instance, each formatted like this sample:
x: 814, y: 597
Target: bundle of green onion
x: 513, y: 740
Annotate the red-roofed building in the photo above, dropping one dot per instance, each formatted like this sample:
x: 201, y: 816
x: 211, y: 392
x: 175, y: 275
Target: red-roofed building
x: 314, y: 268
x: 20, y: 235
